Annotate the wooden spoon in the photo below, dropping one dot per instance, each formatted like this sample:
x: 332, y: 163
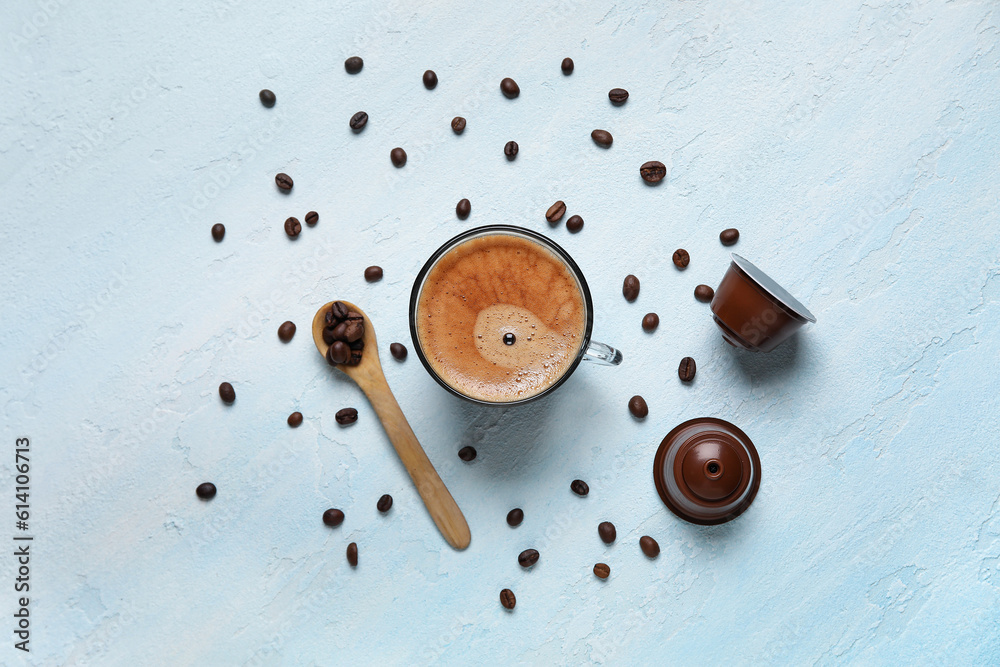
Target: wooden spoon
x: 369, y: 376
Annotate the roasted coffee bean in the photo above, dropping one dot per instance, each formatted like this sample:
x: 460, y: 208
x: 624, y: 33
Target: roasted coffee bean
x: 515, y: 517
x: 579, y: 487
x: 373, y: 274
x: 507, y: 598
x: 458, y: 125
x: 227, y: 393
x: 630, y: 288
x: 355, y: 327
x: 650, y: 322
x: 398, y: 351
x: 293, y: 227
x: 652, y: 172
x: 205, y: 491
x: 681, y: 258
x: 430, y: 80
x: 218, y: 231
x: 267, y: 98
x: 637, y: 406
x: 463, y: 209
x: 312, y: 217
x: 286, y: 331
x: 338, y: 352
x: 336, y: 332
x: 384, y: 503
x: 649, y: 546
x: 295, y: 419
x: 704, y: 293
x: 333, y: 517
x: 510, y: 150
x: 352, y: 554
x: 618, y: 96
x: 574, y: 224
x: 686, y: 369
x: 729, y: 236
x: 555, y: 212
x: 527, y: 558
x: 353, y: 64
x: 567, y: 66
x: 509, y: 88
x: 607, y: 532
x: 346, y: 416
x: 357, y: 345
x: 398, y: 157
x: 359, y: 121
x: 602, y: 138
x: 338, y: 310
x: 284, y: 181
x: 467, y: 453
x: 602, y: 570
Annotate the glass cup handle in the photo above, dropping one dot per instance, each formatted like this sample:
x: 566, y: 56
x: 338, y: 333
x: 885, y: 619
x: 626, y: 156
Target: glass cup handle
x: 602, y: 354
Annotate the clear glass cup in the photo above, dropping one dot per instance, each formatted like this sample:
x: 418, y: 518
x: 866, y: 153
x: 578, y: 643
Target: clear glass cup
x: 589, y: 350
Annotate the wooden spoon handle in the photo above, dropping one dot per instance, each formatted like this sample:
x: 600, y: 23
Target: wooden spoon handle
x: 442, y: 507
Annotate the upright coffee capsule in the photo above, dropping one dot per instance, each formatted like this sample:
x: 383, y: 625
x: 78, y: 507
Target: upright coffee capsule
x: 753, y: 311
x: 707, y: 471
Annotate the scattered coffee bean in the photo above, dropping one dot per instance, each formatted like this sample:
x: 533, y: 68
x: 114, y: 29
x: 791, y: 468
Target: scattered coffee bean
x: 681, y: 258
x: 353, y: 64
x: 284, y: 181
x: 359, y: 121
x: 333, y: 517
x: 704, y: 293
x: 293, y: 227
x: 346, y: 416
x: 602, y: 138
x: 574, y: 224
x: 384, y: 503
x: 227, y: 393
x: 267, y: 98
x: 352, y: 554
x: 579, y: 487
x: 607, y: 531
x: 507, y: 598
x: 509, y: 88
x: 618, y: 96
x: 510, y: 150
x: 650, y: 322
x: 630, y: 288
x: 373, y: 274
x: 218, y: 231
x: 458, y: 125
x: 312, y: 217
x: 398, y: 157
x: 467, y: 453
x: 686, y: 369
x: 295, y: 419
x: 555, y: 212
x: 463, y: 209
x: 729, y: 236
x: 515, y: 517
x: 652, y: 172
x: 398, y: 351
x: 430, y: 80
x: 206, y: 491
x: 567, y: 66
x: 286, y: 331
x: 602, y: 570
x: 338, y: 352
x: 637, y: 406
x: 527, y: 558
x: 649, y: 546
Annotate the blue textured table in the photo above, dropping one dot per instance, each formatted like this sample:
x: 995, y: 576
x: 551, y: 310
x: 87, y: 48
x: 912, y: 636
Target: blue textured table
x: 854, y: 144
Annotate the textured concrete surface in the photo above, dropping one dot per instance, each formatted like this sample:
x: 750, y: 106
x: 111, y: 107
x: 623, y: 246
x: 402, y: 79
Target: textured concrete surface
x: 853, y: 143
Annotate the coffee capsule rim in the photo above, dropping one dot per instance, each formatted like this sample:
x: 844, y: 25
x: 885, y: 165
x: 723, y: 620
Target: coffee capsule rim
x: 773, y: 289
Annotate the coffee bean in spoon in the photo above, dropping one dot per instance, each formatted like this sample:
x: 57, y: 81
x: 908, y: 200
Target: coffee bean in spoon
x: 398, y: 351
x: 650, y: 322
x: 467, y: 453
x: 602, y: 570
x: 359, y: 121
x: 286, y: 331
x: 681, y: 258
x: 618, y: 96
x: 515, y: 517
x: 373, y: 274
x: 527, y: 558
x: 430, y: 80
x: 630, y: 288
x: 729, y: 236
x: 353, y: 64
x: 398, y: 157
x: 333, y: 517
x: 284, y: 182
x: 312, y: 217
x: 227, y: 393
x: 218, y: 231
x: 267, y: 98
x: 555, y: 212
x: 649, y: 546
x: 338, y: 352
x: 352, y: 554
x: 686, y: 369
x: 458, y: 125
x: 293, y: 227
x: 295, y: 419
x: 205, y: 491
x: 637, y: 406
x: 606, y: 531
x: 510, y: 150
x: 574, y: 224
x: 384, y: 503
x: 602, y: 138
x: 579, y: 487
x: 567, y: 66
x: 509, y: 88
x: 346, y: 416
x: 507, y: 598
x: 704, y: 293
x: 463, y: 209
x: 653, y: 171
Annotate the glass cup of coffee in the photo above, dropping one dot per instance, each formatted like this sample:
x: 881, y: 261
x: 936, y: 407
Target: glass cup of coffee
x: 501, y: 315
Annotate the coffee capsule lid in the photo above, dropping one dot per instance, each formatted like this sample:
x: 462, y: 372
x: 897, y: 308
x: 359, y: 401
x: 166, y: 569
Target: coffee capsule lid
x: 777, y: 292
x: 707, y: 471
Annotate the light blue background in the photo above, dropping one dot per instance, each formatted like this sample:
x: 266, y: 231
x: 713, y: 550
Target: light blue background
x: 854, y: 144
